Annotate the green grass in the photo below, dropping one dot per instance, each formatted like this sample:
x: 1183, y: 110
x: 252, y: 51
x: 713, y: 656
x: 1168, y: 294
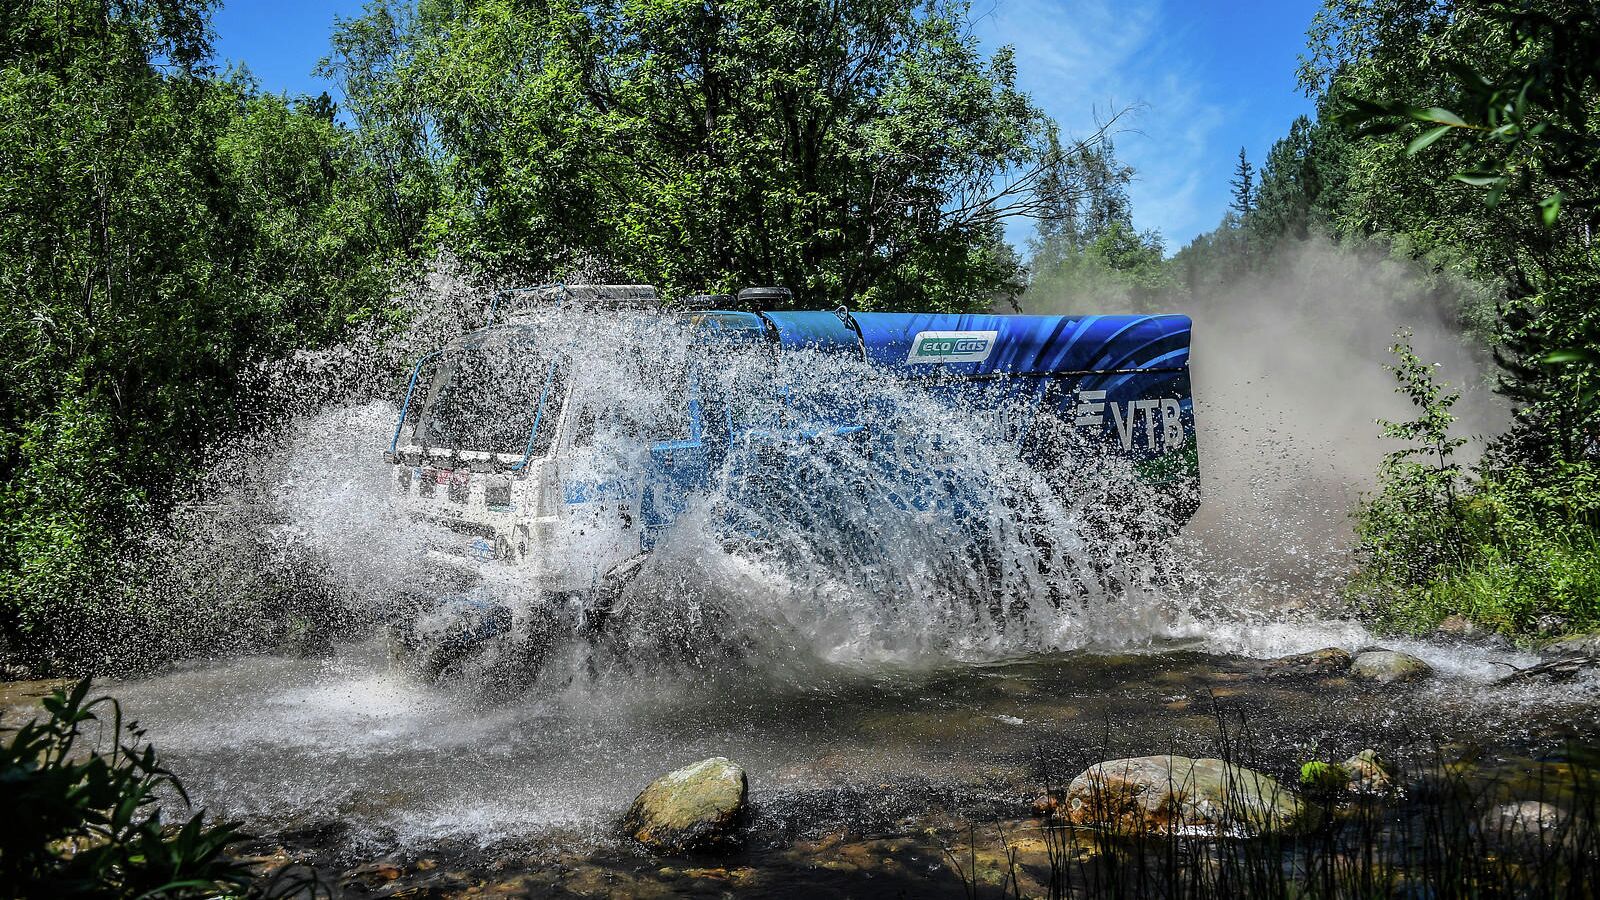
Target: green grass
x: 1516, y: 553
x: 1546, y: 586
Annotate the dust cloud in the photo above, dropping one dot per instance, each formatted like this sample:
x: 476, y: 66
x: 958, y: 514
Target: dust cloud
x: 1289, y: 378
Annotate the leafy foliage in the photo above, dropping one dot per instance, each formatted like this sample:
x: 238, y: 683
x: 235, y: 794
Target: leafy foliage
x: 1411, y: 530
x: 84, y: 824
x: 162, y: 228
x: 861, y: 152
x: 1531, y: 563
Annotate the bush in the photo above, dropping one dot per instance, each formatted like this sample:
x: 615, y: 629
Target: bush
x: 86, y: 824
x: 1532, y: 562
x: 1515, y: 550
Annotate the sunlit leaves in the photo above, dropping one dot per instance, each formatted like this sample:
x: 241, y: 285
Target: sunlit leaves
x: 849, y: 150
x: 1426, y: 139
x: 162, y: 229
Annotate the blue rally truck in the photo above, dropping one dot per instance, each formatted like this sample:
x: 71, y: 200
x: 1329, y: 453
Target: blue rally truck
x: 493, y: 423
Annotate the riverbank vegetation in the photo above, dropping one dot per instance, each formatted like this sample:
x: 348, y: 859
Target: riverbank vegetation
x: 83, y: 819
x: 1459, y: 140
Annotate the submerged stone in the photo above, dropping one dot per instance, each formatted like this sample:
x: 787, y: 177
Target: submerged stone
x: 1388, y: 667
x: 1527, y: 825
x: 1175, y: 793
x: 1367, y: 773
x: 697, y: 807
x: 1316, y: 664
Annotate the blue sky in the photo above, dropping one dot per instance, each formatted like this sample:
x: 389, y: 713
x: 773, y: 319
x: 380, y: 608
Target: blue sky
x: 1207, y: 77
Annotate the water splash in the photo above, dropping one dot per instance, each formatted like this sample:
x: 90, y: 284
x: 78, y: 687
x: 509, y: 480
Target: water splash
x: 935, y: 540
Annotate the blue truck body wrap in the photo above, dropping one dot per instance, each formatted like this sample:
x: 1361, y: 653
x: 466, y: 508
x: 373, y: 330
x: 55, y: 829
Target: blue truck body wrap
x: 1074, y: 394
x: 1125, y: 377
x: 496, y: 461
x: 1069, y: 390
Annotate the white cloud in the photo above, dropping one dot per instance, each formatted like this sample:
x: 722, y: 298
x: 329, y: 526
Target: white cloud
x: 1083, y: 60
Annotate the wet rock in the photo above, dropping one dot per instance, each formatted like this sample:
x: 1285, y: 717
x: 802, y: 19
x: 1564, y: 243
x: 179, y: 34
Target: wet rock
x: 1388, y: 667
x: 1526, y: 825
x: 1368, y: 774
x: 1176, y: 793
x: 373, y: 874
x: 698, y: 807
x: 739, y: 875
x: 1575, y: 645
x: 1563, y: 660
x: 1457, y: 626
x: 1322, y: 663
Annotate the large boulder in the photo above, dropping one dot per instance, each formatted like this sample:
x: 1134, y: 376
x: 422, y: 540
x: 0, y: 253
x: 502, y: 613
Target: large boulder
x: 1196, y: 796
x: 1388, y: 667
x: 1328, y: 661
x: 1575, y: 645
x: 698, y: 807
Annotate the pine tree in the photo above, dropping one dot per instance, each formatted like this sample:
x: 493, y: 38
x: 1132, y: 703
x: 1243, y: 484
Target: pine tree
x: 1244, y: 187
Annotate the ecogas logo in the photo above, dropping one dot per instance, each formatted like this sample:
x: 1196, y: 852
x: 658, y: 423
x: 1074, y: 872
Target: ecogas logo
x: 951, y: 346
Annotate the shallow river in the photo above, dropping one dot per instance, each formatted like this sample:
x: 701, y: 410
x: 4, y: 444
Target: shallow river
x: 290, y: 743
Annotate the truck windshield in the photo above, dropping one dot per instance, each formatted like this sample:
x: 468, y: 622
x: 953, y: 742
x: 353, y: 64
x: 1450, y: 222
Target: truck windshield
x: 486, y: 395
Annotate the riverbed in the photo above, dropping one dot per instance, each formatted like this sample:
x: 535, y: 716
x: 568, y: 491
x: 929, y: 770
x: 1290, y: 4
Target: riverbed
x: 384, y: 782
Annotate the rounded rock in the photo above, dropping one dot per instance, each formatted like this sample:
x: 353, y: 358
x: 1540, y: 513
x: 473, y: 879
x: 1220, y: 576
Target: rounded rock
x: 1316, y: 664
x: 1575, y: 645
x: 1368, y: 773
x: 1527, y: 824
x: 1388, y: 667
x: 1165, y: 794
x: 698, y: 807
x: 1456, y: 626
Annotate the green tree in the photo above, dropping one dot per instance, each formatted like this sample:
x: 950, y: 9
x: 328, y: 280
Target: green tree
x: 161, y: 230
x: 1290, y: 185
x: 1412, y: 529
x: 1464, y: 132
x: 1244, y: 187
x: 1510, y: 142
x: 859, y: 152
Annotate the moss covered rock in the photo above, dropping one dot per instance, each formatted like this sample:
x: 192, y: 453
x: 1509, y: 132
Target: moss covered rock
x: 1574, y: 645
x: 1323, y: 780
x: 698, y: 807
x: 1197, y: 796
